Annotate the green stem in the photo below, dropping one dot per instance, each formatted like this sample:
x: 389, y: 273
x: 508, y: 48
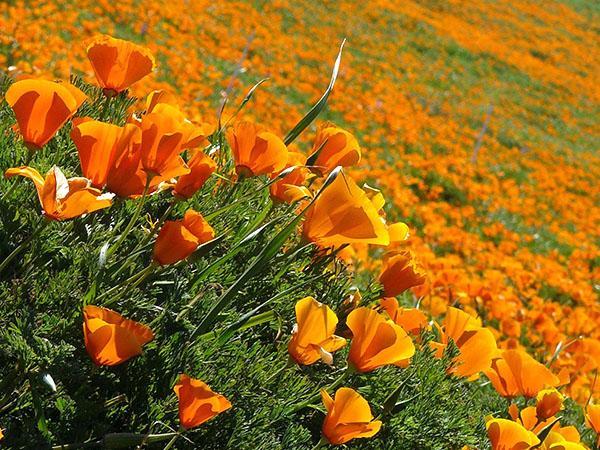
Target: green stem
x: 136, y: 279
x: 317, y: 396
x: 322, y: 442
x: 24, y: 244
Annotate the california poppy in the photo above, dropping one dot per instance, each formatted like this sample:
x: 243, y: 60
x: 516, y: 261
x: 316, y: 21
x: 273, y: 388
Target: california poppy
x: 376, y: 341
x: 400, y: 272
x: 42, y: 107
x: 515, y: 372
x: 197, y: 402
x: 548, y: 403
x: 60, y: 198
x: 98, y: 144
x: 289, y: 188
x: 255, y: 150
x: 348, y: 417
x: 412, y: 320
x: 110, y: 339
x: 178, y: 239
x: 126, y: 177
x: 201, y: 167
x: 118, y: 63
x: 592, y: 418
x: 335, y: 147
x: 343, y: 214
x: 476, y: 344
x: 565, y: 445
x: 313, y: 338
x: 508, y: 435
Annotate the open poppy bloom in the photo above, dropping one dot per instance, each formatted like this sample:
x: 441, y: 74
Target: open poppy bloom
x: 343, y: 214
x: 549, y: 402
x: 118, y: 63
x: 400, y: 272
x: 289, y: 188
x: 197, y: 402
x: 194, y: 134
x: 255, y: 150
x: 335, y: 147
x: 42, y: 107
x: 517, y: 373
x: 508, y: 435
x: 592, y: 419
x: 377, y: 341
x: 178, y: 239
x: 313, y: 338
x: 60, y: 198
x: 412, y: 320
x: 565, y: 445
x: 201, y: 167
x: 348, y: 417
x: 110, y: 339
x: 98, y: 144
x: 476, y: 344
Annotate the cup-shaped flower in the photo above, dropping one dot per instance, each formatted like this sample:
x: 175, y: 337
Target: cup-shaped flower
x: 42, y: 107
x: 376, y: 341
x: 508, y: 435
x: 118, y: 63
x: 343, y: 214
x: 289, y: 188
x: 313, y: 338
x: 110, y: 339
x: 201, y: 167
x: 256, y: 151
x: 565, y: 445
x: 400, y: 272
x: 476, y: 344
x: 194, y: 134
x: 412, y: 320
x: 592, y: 419
x: 197, y: 402
x: 348, y: 417
x: 178, y: 239
x: 60, y: 198
x: 126, y: 177
x: 515, y: 373
x: 548, y: 403
x: 98, y: 144
x: 335, y: 147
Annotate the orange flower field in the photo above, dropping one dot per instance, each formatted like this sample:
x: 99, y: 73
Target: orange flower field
x: 190, y: 259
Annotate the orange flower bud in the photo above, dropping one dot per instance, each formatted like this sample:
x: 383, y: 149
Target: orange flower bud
x: 313, y: 337
x: 197, y: 402
x: 201, y: 168
x: 255, y: 150
x: 348, y: 417
x: 179, y: 239
x: 118, y: 63
x: 289, y: 188
x: 505, y: 434
x: 376, y: 341
x: 60, y: 198
x: 42, y: 107
x: 549, y: 402
x: 110, y: 339
x: 336, y: 147
x: 400, y: 272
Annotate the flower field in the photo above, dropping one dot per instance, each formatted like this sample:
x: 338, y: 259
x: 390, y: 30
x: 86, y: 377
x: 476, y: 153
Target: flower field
x: 299, y: 225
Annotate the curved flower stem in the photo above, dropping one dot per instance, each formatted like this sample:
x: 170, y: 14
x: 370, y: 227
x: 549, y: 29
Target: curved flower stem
x: 322, y: 443
x: 317, y: 396
x: 131, y: 282
x: 24, y: 244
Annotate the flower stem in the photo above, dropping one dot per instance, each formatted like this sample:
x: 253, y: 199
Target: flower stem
x: 23, y: 244
x: 322, y: 442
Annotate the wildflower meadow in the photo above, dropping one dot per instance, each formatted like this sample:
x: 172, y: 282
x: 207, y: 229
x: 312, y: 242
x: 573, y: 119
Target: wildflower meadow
x: 299, y: 225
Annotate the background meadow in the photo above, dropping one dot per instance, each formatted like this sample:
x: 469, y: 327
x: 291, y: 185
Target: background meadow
x: 478, y: 120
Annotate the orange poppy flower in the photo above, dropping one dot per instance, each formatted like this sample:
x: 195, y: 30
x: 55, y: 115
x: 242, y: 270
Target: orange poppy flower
x: 508, y: 435
x: 201, y: 167
x: 567, y: 446
x: 42, y: 107
x: 517, y: 373
x: 411, y: 320
x: 376, y: 341
x: 110, y: 339
x: 118, y: 63
x: 400, y: 272
x: 179, y: 239
x: 255, y: 150
x: 549, y: 402
x: 60, y: 198
x: 592, y: 418
x: 476, y: 344
x: 194, y: 134
x: 348, y: 417
x: 289, y: 188
x: 343, y: 214
x: 197, y: 402
x: 313, y: 338
x: 126, y: 177
x: 98, y: 144
x: 336, y: 147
